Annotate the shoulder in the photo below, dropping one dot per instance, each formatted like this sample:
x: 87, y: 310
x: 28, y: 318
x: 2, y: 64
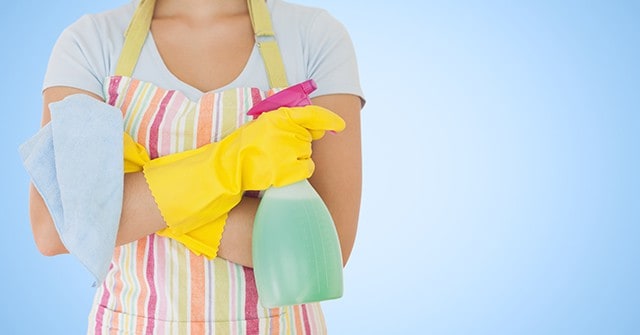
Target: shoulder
x: 101, y: 28
x: 316, y: 45
x: 300, y: 11
x: 306, y: 20
x: 86, y: 50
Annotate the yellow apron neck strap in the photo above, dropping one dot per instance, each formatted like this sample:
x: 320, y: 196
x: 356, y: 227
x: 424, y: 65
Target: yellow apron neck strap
x: 135, y: 36
x: 140, y: 24
x: 267, y: 44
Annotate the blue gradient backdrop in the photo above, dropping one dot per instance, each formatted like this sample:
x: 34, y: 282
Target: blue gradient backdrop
x: 501, y: 169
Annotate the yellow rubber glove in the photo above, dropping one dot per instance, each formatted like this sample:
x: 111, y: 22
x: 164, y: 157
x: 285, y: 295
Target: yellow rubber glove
x: 196, y: 189
x: 135, y: 155
x: 202, y: 240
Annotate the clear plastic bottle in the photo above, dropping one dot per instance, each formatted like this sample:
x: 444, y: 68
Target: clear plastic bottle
x: 296, y: 251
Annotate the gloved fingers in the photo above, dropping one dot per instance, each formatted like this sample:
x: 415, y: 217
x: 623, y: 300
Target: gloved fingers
x: 304, y: 151
x: 309, y: 135
x: 317, y: 134
x: 314, y: 117
x: 135, y: 155
x: 293, y: 172
x: 294, y: 145
x: 291, y: 162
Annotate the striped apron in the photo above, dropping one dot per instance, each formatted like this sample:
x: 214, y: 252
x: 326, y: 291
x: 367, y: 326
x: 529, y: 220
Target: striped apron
x: 156, y: 285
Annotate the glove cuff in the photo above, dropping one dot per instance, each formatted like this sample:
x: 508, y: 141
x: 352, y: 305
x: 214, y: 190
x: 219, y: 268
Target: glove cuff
x: 204, y: 240
x: 188, y: 190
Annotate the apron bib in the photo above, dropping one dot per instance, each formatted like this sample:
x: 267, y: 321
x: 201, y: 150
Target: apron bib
x: 156, y: 285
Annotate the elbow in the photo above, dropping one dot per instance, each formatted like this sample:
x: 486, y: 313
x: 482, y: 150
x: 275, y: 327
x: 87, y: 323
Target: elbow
x: 48, y: 242
x: 347, y: 240
x: 46, y: 236
x: 345, y: 255
x: 44, y: 230
x: 49, y: 249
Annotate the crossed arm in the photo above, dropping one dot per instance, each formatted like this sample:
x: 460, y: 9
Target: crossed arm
x: 337, y: 178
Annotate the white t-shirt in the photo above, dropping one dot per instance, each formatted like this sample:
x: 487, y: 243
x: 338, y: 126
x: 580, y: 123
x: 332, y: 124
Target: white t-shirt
x: 314, y: 45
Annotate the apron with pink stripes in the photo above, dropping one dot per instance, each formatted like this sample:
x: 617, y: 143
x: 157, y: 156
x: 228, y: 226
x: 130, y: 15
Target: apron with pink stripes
x: 156, y: 285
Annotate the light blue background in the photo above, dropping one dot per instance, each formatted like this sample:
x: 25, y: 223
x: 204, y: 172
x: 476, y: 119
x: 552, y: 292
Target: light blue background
x: 501, y: 169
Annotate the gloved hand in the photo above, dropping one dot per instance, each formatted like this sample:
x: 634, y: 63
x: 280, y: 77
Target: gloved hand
x: 135, y: 155
x: 203, y: 240
x: 196, y: 189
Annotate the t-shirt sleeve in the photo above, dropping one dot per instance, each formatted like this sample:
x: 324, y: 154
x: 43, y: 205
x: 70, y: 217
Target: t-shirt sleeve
x: 332, y: 59
x: 77, y: 59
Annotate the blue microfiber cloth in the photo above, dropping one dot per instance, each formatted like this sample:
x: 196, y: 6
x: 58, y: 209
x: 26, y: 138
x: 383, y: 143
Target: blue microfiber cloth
x: 76, y: 164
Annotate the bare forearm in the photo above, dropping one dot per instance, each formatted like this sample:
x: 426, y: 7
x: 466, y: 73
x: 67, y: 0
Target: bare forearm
x: 140, y: 214
x: 235, y: 245
x: 140, y: 217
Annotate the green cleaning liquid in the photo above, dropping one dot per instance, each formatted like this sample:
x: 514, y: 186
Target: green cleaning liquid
x: 296, y: 252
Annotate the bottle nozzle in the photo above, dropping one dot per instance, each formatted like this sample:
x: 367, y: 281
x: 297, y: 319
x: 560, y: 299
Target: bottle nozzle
x: 308, y: 86
x: 293, y: 96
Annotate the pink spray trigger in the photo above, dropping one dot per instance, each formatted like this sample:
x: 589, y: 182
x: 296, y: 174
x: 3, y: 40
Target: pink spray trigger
x: 293, y: 96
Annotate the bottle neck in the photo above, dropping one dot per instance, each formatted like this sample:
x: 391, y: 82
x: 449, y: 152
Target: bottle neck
x: 298, y: 190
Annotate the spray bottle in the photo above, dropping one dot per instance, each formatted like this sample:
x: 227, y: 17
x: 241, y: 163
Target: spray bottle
x: 295, y: 247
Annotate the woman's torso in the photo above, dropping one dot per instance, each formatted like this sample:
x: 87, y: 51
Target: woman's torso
x: 156, y: 285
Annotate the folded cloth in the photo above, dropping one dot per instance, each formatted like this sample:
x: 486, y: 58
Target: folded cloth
x: 75, y: 163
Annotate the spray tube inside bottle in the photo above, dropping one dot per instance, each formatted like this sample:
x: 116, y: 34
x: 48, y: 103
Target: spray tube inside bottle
x: 295, y: 246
